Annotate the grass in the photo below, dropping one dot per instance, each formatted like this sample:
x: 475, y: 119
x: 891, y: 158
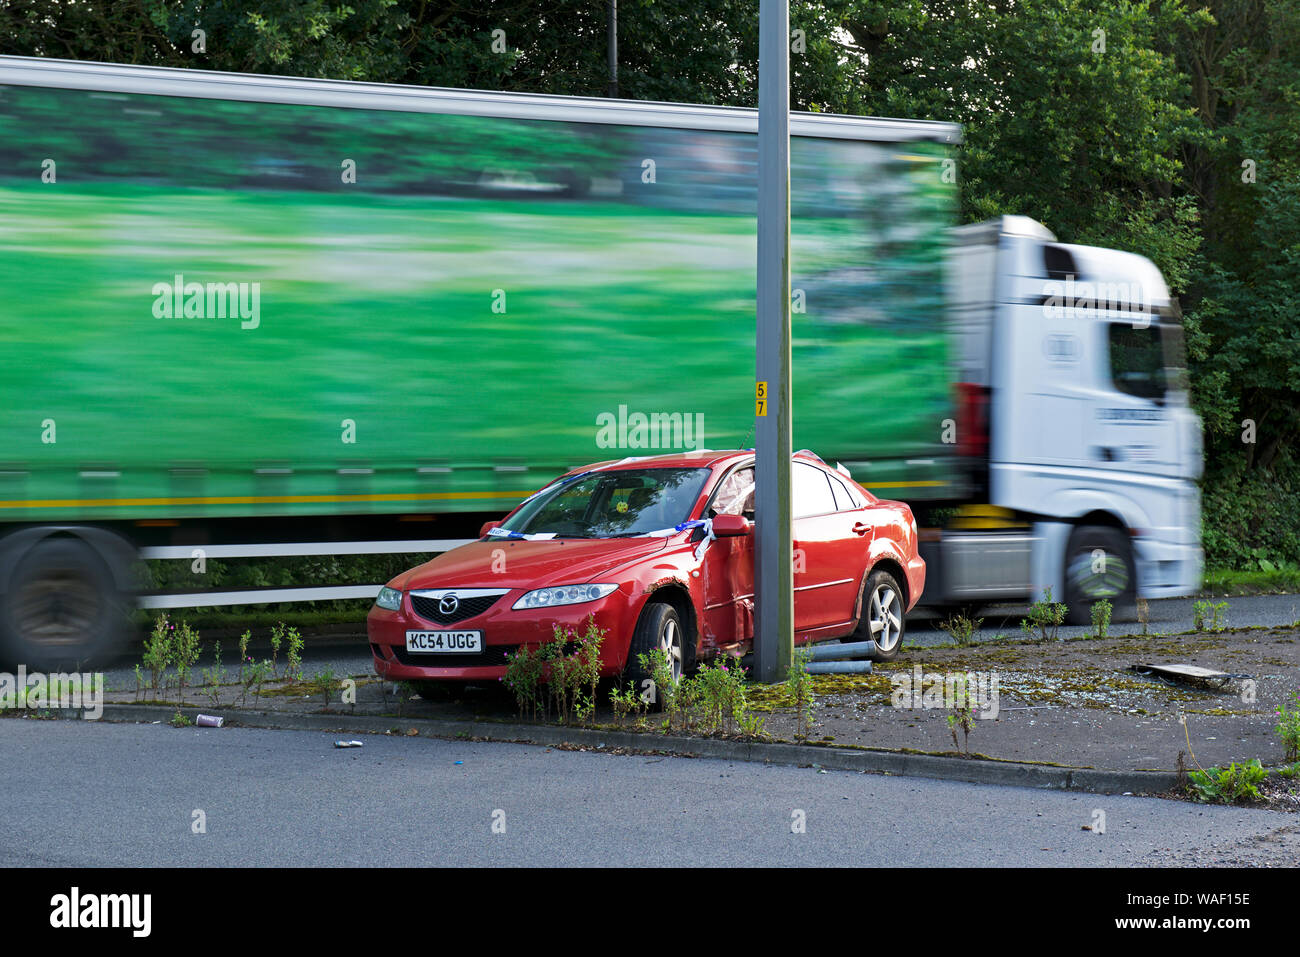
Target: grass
x: 1231, y: 581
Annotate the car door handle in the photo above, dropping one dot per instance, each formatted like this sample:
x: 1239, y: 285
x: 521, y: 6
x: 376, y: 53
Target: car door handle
x: 861, y: 528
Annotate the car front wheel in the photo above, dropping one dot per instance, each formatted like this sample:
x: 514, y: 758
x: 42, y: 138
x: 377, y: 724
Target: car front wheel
x: 658, y: 629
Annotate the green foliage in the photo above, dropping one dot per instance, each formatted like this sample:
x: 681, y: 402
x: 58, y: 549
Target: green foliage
x: 963, y: 717
x: 1252, y: 515
x: 255, y: 675
x: 1288, y: 727
x: 567, y: 667
x: 523, y: 678
x: 158, y: 650
x: 293, y: 667
x: 1101, y: 611
x: 1046, y: 616
x: 1214, y: 609
x: 185, y: 650
x: 324, y: 683
x: 962, y: 629
x: 179, y: 720
x: 277, y: 638
x: 719, y: 696
x: 213, y: 677
x: 625, y: 702
x: 799, y: 691
x: 1227, y: 785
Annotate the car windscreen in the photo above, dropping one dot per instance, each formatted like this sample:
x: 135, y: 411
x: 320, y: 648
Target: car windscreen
x: 611, y: 504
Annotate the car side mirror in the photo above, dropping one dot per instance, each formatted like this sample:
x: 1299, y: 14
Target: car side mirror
x: 731, y: 526
x: 487, y: 527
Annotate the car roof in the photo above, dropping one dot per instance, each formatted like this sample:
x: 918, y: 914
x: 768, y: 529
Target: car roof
x: 703, y: 458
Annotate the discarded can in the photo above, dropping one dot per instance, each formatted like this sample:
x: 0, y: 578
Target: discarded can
x: 209, y: 721
x: 347, y: 744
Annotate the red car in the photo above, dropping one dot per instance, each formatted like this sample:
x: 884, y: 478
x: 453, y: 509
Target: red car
x: 661, y: 551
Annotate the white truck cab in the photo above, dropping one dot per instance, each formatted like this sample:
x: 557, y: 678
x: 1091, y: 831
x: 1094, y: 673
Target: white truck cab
x: 1070, y: 365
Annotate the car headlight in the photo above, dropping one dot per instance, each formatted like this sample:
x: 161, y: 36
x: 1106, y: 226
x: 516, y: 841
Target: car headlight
x: 389, y: 598
x: 563, y: 595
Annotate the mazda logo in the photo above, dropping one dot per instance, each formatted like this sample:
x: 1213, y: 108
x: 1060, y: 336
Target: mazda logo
x: 449, y: 604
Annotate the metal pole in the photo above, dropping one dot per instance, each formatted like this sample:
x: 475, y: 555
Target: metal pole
x: 773, y: 573
x: 613, y: 49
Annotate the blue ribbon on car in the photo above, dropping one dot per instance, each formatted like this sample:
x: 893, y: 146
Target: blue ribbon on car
x: 704, y: 523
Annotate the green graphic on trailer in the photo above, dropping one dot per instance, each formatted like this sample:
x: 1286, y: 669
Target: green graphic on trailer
x: 221, y: 307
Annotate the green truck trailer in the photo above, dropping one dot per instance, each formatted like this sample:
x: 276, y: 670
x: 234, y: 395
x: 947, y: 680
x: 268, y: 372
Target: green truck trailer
x: 263, y: 316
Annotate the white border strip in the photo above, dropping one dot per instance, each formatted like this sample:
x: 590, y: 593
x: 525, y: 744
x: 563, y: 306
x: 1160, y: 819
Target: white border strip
x: 282, y: 549
x: 258, y: 597
x: 211, y: 84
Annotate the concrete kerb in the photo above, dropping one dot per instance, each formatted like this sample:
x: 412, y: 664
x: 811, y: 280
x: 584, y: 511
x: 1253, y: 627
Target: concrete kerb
x: 975, y: 771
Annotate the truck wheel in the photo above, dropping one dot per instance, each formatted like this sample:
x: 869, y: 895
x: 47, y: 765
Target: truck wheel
x: 1098, y: 564
x: 882, y: 614
x: 60, y: 608
x: 659, y: 627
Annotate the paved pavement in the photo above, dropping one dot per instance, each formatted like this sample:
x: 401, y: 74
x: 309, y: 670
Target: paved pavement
x: 101, y: 794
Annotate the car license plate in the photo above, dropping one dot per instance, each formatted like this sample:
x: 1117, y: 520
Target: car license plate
x: 450, y: 642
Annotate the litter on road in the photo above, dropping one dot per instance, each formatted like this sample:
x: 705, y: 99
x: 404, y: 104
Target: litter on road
x: 1190, y: 674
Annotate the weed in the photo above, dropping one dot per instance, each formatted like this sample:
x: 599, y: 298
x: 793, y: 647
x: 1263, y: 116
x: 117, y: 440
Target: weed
x: 1288, y: 727
x: 962, y: 717
x: 799, y: 691
x: 1214, y: 609
x: 1101, y: 610
x: 1227, y: 785
x: 962, y: 629
x: 186, y: 647
x: 158, y: 650
x: 325, y: 684
x: 1046, y: 616
x: 212, y: 676
x: 277, y: 638
x: 293, y: 668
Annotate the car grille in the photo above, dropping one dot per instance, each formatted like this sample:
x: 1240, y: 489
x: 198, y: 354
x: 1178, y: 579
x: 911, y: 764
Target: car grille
x: 427, y: 608
x: 491, y: 656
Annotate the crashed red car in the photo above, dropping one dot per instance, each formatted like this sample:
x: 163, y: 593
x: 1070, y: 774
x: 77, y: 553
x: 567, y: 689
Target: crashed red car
x: 660, y: 550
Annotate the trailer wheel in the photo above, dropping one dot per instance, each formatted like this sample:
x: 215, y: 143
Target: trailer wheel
x: 1098, y: 564
x: 60, y: 608
x: 882, y: 615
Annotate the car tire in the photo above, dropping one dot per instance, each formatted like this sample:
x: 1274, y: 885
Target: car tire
x: 1084, y: 585
x: 60, y: 608
x: 659, y: 627
x: 882, y: 615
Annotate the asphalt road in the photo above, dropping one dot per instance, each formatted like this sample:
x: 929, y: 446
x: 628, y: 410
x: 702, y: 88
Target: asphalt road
x: 92, y: 794
x: 1169, y: 616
